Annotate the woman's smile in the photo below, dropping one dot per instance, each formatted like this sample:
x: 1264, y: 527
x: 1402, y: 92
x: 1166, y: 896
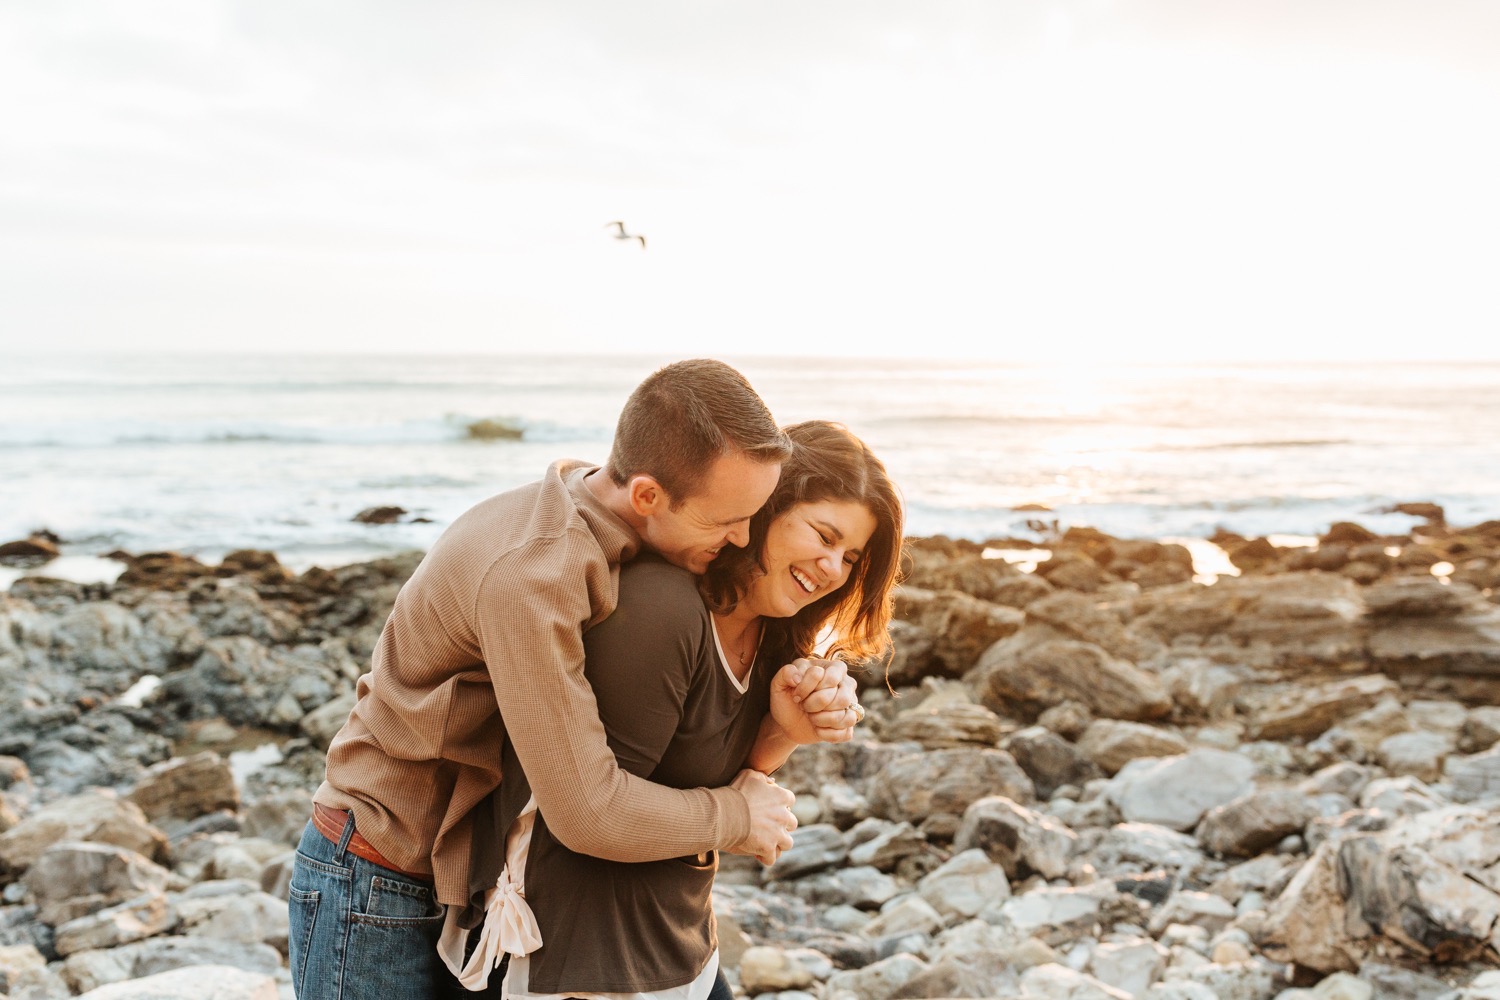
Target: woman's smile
x: 813, y: 548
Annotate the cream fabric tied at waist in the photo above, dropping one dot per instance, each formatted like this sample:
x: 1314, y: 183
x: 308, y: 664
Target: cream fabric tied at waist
x: 509, y: 925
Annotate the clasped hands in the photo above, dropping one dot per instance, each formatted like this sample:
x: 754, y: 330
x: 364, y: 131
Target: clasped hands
x: 812, y: 701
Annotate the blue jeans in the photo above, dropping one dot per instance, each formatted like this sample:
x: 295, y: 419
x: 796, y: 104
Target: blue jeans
x: 360, y: 931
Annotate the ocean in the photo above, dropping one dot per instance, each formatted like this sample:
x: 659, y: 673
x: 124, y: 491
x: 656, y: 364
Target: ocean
x: 205, y: 454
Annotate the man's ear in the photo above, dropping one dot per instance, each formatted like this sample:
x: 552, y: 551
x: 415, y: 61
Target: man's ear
x: 646, y: 495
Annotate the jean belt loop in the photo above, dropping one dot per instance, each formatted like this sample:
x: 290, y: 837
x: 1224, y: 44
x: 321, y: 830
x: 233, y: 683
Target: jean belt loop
x: 343, y: 844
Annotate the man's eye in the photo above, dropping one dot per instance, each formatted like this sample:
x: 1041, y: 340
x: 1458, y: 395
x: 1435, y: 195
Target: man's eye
x: 826, y: 539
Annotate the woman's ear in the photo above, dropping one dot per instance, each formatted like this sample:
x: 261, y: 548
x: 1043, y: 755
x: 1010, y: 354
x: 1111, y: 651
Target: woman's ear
x: 646, y: 495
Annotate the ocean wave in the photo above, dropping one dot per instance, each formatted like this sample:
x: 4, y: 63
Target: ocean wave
x: 1267, y: 445
x: 449, y: 429
x: 949, y: 421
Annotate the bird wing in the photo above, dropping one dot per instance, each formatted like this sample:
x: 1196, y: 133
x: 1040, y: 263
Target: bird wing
x: 643, y: 241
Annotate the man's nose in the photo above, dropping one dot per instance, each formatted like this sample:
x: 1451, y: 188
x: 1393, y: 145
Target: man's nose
x: 739, y: 535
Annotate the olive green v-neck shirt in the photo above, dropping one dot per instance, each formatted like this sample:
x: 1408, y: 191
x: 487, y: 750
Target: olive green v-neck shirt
x: 672, y: 713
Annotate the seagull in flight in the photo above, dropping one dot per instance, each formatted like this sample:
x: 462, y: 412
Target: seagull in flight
x: 621, y: 234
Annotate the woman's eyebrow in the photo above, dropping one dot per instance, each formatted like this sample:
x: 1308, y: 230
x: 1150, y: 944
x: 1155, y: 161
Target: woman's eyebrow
x: 833, y: 530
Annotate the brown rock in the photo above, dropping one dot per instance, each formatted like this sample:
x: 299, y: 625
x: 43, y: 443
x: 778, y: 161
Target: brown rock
x: 186, y: 788
x: 1112, y: 743
x: 162, y: 570
x: 1300, y: 620
x: 1308, y: 711
x: 1254, y: 555
x: 97, y: 816
x: 974, y: 575
x: 1077, y: 616
x: 1347, y: 532
x: 1423, y: 509
x: 379, y: 515
x: 1252, y: 823
x: 1064, y: 670
x: 33, y: 551
x: 1075, y: 571
x: 962, y: 627
x: 1418, y: 597
x: 948, y: 726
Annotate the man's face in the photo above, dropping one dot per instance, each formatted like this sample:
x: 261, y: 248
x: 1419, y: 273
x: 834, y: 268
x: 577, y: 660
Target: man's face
x: 690, y: 536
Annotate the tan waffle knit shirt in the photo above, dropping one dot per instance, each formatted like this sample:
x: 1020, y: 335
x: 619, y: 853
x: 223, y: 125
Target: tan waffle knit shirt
x: 485, y: 644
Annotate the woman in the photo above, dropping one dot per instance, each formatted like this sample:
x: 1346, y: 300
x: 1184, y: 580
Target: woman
x: 690, y: 688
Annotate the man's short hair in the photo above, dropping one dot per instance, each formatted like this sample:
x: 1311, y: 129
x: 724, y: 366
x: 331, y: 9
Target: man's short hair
x: 682, y: 417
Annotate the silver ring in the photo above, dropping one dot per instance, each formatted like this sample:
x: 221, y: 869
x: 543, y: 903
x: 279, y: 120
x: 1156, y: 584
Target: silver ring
x: 859, y: 712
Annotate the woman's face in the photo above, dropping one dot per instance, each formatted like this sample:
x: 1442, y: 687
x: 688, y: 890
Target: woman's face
x: 809, y: 553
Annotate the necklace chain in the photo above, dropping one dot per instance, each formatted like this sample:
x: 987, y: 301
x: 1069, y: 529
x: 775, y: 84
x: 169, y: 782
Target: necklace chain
x: 743, y: 654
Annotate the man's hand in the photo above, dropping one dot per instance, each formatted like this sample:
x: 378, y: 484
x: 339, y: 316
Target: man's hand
x: 771, y: 818
x: 815, y: 701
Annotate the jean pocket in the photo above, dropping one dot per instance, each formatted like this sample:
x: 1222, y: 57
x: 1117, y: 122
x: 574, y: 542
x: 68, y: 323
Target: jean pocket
x: 302, y: 913
x: 393, y: 901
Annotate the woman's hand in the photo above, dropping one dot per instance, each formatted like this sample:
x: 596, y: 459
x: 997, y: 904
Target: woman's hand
x: 815, y: 701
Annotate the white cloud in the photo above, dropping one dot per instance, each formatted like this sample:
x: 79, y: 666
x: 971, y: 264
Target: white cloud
x: 1083, y: 178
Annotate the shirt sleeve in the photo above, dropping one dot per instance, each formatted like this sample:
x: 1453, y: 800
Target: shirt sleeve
x: 530, y: 615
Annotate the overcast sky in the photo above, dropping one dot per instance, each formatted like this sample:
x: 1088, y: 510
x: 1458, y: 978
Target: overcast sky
x: 1213, y: 179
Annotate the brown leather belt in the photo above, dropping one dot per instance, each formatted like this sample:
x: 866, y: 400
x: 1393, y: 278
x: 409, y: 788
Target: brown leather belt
x: 330, y: 823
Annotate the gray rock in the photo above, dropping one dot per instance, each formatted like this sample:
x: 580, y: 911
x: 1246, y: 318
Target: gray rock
x: 863, y: 887
x: 1058, y: 982
x: 1175, y: 792
x: 197, y: 982
x: 1255, y: 822
x: 1111, y: 743
x: 87, y: 970
x: 1037, y: 677
x: 1049, y: 760
x: 886, y: 850
x: 75, y: 879
x: 1420, y: 754
x: 1018, y: 839
x: 1475, y: 777
x: 98, y: 816
x: 909, y: 914
x: 142, y: 917
x: 945, y: 726
x: 879, y: 981
x: 1130, y: 965
x: 915, y: 786
x: 813, y: 849
x: 965, y: 885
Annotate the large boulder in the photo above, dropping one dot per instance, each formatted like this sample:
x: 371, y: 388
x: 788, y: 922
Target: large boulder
x: 916, y: 786
x: 195, y: 982
x: 1429, y: 887
x: 185, y: 788
x: 1031, y: 678
x: 1300, y: 620
x: 1175, y: 792
x: 962, y: 627
x: 99, y: 816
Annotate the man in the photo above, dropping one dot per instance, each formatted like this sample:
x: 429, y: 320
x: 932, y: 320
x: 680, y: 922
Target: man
x: 483, y: 645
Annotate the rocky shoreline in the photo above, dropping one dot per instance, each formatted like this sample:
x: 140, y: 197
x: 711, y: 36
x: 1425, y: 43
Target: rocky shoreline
x: 1097, y: 778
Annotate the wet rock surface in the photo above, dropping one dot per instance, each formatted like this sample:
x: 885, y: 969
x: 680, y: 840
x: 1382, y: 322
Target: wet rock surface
x: 1103, y: 778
